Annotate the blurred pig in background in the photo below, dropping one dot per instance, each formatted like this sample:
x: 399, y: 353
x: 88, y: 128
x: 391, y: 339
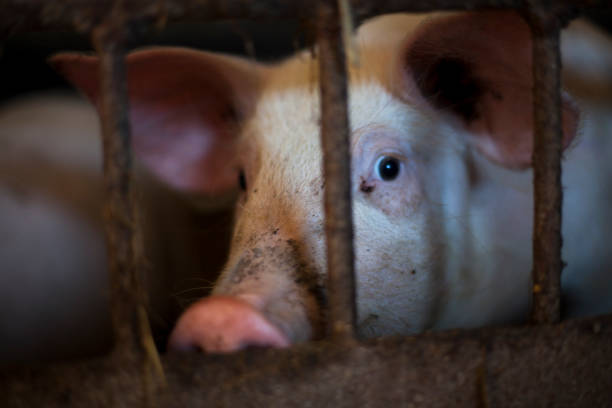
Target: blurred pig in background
x: 53, y: 285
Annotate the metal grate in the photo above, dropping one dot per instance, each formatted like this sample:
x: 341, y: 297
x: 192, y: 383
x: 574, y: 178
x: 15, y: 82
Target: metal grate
x: 558, y: 364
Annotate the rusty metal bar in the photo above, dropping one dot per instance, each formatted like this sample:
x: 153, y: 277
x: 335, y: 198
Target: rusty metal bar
x: 19, y: 15
x: 565, y: 365
x: 134, y: 347
x: 547, y: 148
x: 119, y: 212
x: 337, y: 172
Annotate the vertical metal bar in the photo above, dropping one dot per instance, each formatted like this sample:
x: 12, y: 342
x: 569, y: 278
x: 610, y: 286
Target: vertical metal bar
x: 547, y: 149
x: 336, y: 167
x: 119, y: 207
x: 134, y: 345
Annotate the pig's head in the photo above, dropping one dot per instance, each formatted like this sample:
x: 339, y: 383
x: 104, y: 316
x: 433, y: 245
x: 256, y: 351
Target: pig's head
x: 427, y: 93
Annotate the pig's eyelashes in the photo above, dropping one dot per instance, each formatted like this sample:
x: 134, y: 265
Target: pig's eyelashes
x: 242, y: 180
x: 388, y: 168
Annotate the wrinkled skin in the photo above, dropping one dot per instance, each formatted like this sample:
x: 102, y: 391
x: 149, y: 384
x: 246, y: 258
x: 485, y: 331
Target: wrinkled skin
x: 441, y: 140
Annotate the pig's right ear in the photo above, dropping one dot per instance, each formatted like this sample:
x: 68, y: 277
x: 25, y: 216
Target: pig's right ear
x: 478, y: 67
x: 186, y: 107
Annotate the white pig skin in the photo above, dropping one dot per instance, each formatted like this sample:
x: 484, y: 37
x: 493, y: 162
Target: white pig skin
x: 445, y: 243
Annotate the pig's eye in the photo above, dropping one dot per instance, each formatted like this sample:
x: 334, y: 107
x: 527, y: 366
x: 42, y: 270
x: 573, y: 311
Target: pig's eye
x: 388, y: 168
x: 242, y: 180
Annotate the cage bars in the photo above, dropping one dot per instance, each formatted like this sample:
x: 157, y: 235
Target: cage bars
x: 547, y: 241
x: 487, y: 355
x: 18, y: 15
x: 547, y: 148
x: 337, y: 172
x: 119, y: 212
x: 133, y: 343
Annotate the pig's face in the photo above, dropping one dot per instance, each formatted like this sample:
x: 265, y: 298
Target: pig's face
x: 422, y: 101
x: 278, y: 256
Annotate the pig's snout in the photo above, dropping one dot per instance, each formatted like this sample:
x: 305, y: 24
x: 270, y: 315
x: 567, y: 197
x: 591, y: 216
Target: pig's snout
x: 223, y: 324
x: 265, y: 297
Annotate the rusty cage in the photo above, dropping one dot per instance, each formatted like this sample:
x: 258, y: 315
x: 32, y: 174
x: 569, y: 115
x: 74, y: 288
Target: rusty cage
x: 548, y: 362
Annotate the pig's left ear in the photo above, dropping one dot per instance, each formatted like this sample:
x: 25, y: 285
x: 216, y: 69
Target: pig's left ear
x: 186, y: 108
x: 478, y: 67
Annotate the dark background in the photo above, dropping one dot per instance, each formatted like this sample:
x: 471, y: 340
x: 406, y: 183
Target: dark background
x: 22, y: 58
x: 23, y: 67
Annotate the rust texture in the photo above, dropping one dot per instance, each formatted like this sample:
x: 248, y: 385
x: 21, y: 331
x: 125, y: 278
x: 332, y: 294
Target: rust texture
x: 119, y: 211
x: 564, y: 365
x: 547, y: 148
x: 337, y: 171
x: 82, y: 15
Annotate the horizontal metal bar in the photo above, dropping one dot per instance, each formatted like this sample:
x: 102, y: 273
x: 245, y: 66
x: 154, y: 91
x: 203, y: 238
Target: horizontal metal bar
x: 565, y: 365
x: 84, y: 15
x: 337, y: 172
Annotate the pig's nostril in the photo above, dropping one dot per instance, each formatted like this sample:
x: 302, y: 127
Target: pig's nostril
x: 224, y: 324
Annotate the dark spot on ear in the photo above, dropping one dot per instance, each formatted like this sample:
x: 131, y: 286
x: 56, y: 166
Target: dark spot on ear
x: 450, y: 83
x: 413, y: 272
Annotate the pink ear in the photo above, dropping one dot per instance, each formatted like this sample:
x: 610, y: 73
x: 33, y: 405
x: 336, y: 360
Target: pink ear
x: 185, y: 106
x: 478, y: 66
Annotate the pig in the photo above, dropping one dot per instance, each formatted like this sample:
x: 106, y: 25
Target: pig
x: 54, y: 301
x: 441, y: 144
